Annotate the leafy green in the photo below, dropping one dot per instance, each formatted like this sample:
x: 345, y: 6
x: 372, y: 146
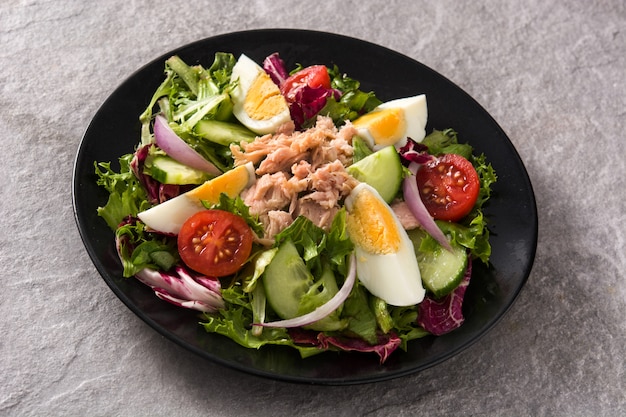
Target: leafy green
x: 126, y: 195
x: 238, y: 207
x: 487, y: 176
x: 235, y: 322
x: 446, y: 141
x: 353, y: 101
x: 255, y: 268
x: 381, y: 312
x: 316, y: 246
x: 404, y: 319
x: 140, y: 249
x: 361, y: 149
x: 361, y: 320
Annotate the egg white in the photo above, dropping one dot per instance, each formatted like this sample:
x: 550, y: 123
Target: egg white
x: 393, y: 277
x: 244, y: 73
x: 415, y: 112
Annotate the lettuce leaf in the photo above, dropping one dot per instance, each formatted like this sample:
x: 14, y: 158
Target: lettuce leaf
x: 127, y: 197
x: 318, y: 247
x: 238, y: 207
x: 139, y: 249
x: 235, y: 323
x: 352, y: 103
x: 446, y: 141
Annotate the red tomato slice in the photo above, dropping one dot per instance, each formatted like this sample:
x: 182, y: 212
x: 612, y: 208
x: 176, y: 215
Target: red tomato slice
x: 448, y: 186
x: 314, y: 76
x: 215, y: 242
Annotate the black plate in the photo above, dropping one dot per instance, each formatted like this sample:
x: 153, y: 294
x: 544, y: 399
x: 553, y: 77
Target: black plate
x: 114, y: 131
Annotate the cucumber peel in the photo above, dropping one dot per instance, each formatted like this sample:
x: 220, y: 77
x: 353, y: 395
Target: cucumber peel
x: 442, y: 270
x: 382, y: 170
x: 223, y: 133
x: 167, y: 170
x: 286, y: 279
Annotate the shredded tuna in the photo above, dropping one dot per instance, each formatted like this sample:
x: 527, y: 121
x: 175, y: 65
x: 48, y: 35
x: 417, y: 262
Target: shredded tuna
x: 267, y: 193
x: 300, y: 173
x: 319, y: 215
x: 276, y: 221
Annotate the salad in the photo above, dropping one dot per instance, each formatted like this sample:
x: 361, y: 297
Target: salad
x: 290, y: 207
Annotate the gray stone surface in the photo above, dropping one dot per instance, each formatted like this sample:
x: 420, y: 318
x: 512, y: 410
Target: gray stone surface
x: 552, y: 73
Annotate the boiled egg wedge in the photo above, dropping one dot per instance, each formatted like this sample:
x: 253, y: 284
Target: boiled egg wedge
x: 257, y: 101
x: 392, y: 122
x: 169, y: 216
x: 385, y: 259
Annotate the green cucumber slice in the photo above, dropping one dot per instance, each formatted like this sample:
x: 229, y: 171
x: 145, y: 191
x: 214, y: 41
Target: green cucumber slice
x: 286, y: 279
x: 441, y: 270
x: 223, y: 133
x: 382, y: 170
x: 167, y: 170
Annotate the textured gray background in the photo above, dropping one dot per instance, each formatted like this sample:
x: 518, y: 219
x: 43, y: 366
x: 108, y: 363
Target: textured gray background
x: 551, y: 73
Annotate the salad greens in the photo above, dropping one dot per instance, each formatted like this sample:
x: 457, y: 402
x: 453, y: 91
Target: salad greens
x: 192, y: 95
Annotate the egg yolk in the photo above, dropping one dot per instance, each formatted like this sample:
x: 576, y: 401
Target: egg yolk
x: 371, y: 225
x: 263, y: 100
x: 386, y: 126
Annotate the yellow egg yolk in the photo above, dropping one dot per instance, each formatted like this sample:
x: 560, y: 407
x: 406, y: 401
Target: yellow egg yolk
x: 230, y: 183
x: 263, y: 100
x: 386, y: 126
x: 371, y: 225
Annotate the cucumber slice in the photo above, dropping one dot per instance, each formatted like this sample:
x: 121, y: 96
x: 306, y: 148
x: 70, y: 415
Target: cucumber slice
x: 223, y: 133
x: 286, y: 279
x: 167, y: 170
x: 382, y: 170
x: 441, y: 270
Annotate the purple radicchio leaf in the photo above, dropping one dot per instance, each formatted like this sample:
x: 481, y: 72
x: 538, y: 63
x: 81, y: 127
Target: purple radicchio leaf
x: 387, y: 343
x: 184, y: 288
x: 441, y: 316
x: 276, y: 69
x: 415, y: 152
x: 312, y: 99
x: 308, y: 101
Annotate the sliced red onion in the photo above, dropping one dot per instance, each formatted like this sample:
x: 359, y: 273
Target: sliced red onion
x: 416, y: 205
x: 178, y: 149
x: 323, y: 310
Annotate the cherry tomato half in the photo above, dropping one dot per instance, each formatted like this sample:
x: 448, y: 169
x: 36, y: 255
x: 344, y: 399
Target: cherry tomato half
x: 314, y: 76
x: 215, y: 242
x: 448, y: 186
